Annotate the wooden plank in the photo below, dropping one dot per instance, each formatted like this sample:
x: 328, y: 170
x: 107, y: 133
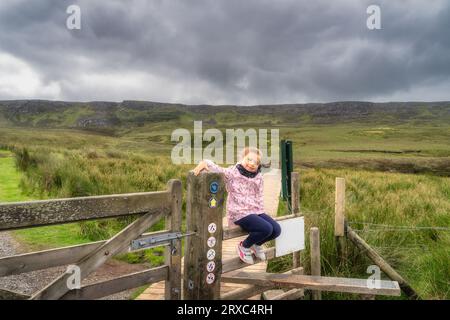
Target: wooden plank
x: 54, y: 257
x: 236, y: 263
x: 234, y: 232
x: 244, y: 293
x: 315, y: 258
x: 339, y: 207
x: 96, y: 258
x: 200, y: 213
x: 295, y: 195
x: 379, y: 261
x: 108, y: 287
x: 12, y: 295
x: 390, y: 288
x: 293, y: 294
x: 173, y: 252
x: 18, y: 215
x: 295, y: 205
x: 249, y: 291
x: 229, y: 251
x: 270, y: 294
x: 339, y: 219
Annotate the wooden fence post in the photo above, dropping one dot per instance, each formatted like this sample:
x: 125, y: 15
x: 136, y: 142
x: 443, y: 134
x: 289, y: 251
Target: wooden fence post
x: 173, y: 252
x: 339, y: 218
x: 380, y: 262
x: 315, y: 258
x: 203, y: 254
x: 295, y: 206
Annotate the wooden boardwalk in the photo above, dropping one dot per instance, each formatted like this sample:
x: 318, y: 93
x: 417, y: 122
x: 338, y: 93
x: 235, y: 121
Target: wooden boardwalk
x: 272, y: 188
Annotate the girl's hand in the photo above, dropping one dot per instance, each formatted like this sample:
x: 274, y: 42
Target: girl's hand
x: 200, y: 167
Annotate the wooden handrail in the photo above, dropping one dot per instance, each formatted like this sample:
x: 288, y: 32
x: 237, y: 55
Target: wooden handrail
x: 39, y: 260
x: 28, y: 214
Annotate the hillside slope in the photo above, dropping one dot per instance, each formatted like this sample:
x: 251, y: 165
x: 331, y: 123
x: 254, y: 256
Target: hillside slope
x: 108, y: 115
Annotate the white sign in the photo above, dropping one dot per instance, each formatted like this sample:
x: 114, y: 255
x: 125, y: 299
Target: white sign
x: 212, y: 227
x: 210, y: 277
x: 292, y: 237
x: 211, y: 266
x: 211, y: 254
x: 211, y: 242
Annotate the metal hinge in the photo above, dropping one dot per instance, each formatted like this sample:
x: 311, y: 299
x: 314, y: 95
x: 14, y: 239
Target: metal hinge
x: 157, y: 240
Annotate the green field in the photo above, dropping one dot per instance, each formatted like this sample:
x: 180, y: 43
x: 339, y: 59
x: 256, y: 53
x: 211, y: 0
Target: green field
x: 35, y: 238
x: 397, y: 174
x: 10, y: 190
x: 402, y: 148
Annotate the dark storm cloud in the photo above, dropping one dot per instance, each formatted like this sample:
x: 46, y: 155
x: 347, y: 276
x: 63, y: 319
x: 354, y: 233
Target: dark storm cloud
x: 225, y: 51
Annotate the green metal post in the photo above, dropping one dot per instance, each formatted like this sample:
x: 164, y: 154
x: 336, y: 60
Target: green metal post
x: 289, y: 167
x: 286, y: 168
x: 284, y: 190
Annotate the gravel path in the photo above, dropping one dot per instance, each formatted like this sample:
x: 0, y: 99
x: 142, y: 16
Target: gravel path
x: 28, y: 283
x: 25, y: 283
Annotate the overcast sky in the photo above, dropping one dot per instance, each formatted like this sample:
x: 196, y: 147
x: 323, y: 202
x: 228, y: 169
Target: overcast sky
x: 225, y: 51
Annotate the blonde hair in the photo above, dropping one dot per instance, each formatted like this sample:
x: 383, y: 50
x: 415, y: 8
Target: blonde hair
x: 254, y: 150
x: 258, y: 152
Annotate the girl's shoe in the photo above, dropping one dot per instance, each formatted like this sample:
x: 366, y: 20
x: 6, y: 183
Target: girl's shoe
x: 258, y: 251
x: 245, y: 254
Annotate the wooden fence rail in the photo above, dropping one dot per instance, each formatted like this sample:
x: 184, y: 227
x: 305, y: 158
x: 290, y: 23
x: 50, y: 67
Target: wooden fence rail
x: 150, y: 206
x: 342, y: 230
x: 45, y: 259
x: 48, y: 212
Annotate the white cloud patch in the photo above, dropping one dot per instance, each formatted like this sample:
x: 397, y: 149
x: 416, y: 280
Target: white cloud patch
x: 18, y: 80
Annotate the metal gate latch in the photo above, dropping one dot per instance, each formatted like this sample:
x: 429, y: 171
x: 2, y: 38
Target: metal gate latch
x: 157, y: 240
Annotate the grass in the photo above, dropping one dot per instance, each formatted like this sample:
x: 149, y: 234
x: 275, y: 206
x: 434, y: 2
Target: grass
x: 33, y: 238
x: 10, y: 190
x: 370, y: 146
x: 421, y: 256
x: 64, y: 173
x: 396, y: 174
x: 42, y: 238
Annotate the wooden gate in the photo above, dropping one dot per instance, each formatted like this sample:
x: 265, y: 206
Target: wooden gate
x: 150, y: 207
x: 204, y: 269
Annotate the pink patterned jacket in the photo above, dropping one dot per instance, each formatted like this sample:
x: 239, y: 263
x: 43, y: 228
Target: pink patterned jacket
x: 245, y: 195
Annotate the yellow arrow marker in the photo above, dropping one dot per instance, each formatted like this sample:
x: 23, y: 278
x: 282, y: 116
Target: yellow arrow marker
x: 212, y: 202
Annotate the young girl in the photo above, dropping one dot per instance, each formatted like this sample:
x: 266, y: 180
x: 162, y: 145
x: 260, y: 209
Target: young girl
x: 245, y: 206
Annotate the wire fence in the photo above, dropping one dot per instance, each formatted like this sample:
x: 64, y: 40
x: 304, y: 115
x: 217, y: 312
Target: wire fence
x: 375, y: 227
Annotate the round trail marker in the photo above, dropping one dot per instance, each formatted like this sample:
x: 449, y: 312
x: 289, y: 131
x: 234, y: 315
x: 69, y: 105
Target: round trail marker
x: 214, y: 187
x: 210, y: 278
x: 211, y: 254
x: 211, y: 266
x: 211, y: 242
x: 212, y: 227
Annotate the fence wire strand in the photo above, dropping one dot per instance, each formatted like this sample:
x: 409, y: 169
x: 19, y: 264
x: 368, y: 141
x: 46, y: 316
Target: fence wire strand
x: 385, y: 227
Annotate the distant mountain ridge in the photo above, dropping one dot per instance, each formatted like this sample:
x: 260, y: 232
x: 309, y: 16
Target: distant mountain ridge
x: 103, y: 114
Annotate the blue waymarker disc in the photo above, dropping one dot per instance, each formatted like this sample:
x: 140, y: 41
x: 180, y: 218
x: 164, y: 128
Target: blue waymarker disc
x: 214, y: 187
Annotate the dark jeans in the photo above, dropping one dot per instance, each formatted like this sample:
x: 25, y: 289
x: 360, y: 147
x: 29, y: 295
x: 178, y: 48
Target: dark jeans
x: 261, y: 228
